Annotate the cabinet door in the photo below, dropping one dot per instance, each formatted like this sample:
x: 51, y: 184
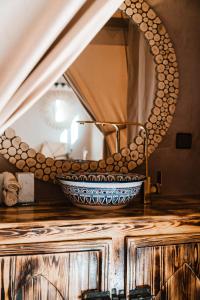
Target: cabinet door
x: 171, y: 266
x: 54, y: 271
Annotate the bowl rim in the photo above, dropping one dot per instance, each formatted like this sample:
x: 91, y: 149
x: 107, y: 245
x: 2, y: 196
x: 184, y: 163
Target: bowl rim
x: 128, y: 177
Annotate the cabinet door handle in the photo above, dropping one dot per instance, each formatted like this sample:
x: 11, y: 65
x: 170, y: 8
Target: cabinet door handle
x: 95, y: 295
x: 139, y: 293
x: 142, y: 292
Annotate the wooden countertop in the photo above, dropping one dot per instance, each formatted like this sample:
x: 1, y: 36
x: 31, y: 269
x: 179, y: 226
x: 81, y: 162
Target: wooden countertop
x: 63, y: 211
x: 60, y: 221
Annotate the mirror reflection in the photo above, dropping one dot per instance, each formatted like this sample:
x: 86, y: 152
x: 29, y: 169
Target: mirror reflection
x: 59, y: 135
x: 112, y: 80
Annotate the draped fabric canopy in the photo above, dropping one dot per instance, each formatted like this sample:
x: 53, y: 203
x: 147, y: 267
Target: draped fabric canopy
x: 116, y: 80
x: 39, y: 40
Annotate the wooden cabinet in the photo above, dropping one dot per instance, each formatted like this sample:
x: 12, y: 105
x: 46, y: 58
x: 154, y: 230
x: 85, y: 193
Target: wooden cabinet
x: 63, y: 270
x: 170, y: 265
x: 56, y: 252
x: 60, y: 271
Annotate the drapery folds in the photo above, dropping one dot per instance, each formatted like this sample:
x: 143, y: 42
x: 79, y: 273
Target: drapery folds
x: 115, y: 77
x: 40, y: 39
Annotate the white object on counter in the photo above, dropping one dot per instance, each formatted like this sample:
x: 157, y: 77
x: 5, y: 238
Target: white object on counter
x: 26, y: 192
x: 1, y: 187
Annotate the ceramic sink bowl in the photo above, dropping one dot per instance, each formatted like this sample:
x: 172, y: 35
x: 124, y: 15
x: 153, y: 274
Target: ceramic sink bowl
x: 101, y: 191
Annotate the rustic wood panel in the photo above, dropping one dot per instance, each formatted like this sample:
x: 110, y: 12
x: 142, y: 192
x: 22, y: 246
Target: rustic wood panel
x: 172, y: 270
x: 62, y: 210
x: 58, y: 221
x: 97, y: 230
x: 55, y: 276
x: 31, y: 232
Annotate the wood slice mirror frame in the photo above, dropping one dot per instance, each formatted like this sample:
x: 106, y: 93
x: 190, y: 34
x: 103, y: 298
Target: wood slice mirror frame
x: 166, y: 94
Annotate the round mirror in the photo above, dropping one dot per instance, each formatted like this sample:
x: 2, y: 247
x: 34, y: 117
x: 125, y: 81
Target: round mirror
x: 112, y: 80
x: 128, y: 73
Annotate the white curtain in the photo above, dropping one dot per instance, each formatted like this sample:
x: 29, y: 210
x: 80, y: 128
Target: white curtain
x: 39, y: 40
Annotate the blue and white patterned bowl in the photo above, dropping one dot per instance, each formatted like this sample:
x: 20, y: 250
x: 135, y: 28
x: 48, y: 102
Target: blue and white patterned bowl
x: 101, y: 191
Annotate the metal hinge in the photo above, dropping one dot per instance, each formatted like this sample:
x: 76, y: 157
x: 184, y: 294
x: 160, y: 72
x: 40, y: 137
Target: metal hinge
x: 97, y: 295
x: 120, y: 296
x: 142, y: 292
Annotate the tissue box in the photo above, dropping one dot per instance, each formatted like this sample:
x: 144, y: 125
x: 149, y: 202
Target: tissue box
x: 26, y: 192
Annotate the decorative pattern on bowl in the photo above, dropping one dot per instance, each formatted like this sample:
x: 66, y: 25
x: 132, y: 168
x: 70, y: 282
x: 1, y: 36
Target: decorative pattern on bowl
x: 101, y: 191
x: 101, y: 177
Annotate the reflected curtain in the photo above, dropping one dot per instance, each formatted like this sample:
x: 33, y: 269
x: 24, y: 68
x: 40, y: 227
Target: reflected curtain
x: 100, y: 76
x: 39, y: 41
x: 115, y: 76
x: 141, y: 79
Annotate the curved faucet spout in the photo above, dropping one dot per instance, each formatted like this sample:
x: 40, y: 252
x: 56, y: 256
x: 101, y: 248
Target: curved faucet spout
x: 117, y: 126
x: 117, y: 130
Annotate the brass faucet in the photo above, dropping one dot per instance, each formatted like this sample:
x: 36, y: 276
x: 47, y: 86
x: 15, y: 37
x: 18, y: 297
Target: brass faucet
x: 117, y: 125
x: 117, y: 130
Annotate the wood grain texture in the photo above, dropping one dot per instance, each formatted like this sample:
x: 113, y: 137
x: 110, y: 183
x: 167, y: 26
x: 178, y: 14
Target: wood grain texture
x: 59, y: 220
x: 157, y: 243
x: 171, y: 267
x: 56, y: 207
x: 63, y: 273
x: 56, y: 276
